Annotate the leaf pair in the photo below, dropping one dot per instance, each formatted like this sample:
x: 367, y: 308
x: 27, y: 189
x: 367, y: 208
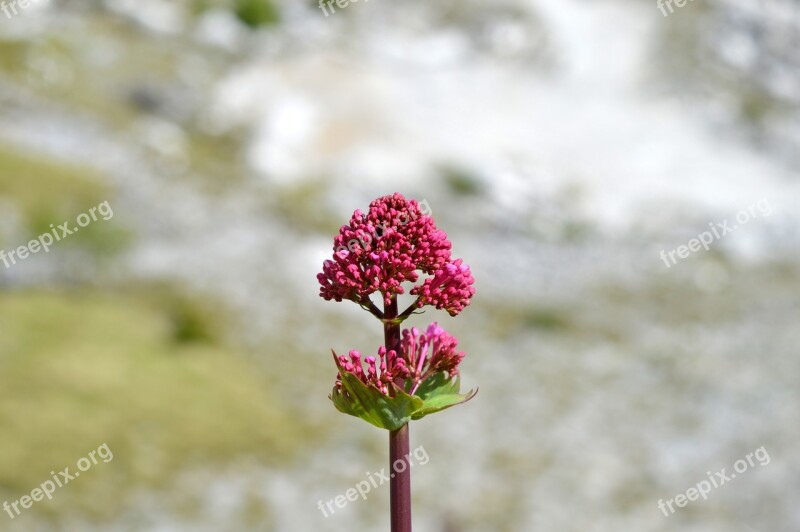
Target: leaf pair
x: 435, y: 394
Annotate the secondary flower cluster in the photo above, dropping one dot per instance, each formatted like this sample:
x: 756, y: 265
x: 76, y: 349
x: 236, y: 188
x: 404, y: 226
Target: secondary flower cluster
x: 391, y: 369
x: 387, y: 246
x: 421, y: 356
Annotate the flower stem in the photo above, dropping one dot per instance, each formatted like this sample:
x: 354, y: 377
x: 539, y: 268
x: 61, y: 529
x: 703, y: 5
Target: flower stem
x: 399, y: 447
x: 400, y: 485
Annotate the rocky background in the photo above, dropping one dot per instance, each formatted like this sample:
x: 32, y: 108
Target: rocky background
x: 562, y: 144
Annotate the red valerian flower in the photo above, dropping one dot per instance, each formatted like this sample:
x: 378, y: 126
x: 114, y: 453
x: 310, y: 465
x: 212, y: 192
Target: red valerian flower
x: 389, y: 245
x: 415, y: 375
x: 421, y: 356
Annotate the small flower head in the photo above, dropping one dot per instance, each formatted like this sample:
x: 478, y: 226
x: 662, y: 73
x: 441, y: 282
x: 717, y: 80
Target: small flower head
x: 450, y: 288
x: 391, y: 244
x: 421, y: 356
x: 429, y: 353
x: 378, y: 375
x: 396, y: 388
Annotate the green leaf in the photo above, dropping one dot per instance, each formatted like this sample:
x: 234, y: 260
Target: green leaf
x: 438, y: 384
x: 440, y: 392
x: 442, y: 402
x: 372, y: 406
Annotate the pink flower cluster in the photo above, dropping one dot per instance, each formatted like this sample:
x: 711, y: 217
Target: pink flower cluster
x: 421, y: 356
x: 390, y: 370
x: 450, y: 288
x: 429, y: 353
x: 389, y: 245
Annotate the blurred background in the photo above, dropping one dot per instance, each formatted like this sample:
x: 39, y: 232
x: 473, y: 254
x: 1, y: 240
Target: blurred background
x: 562, y: 144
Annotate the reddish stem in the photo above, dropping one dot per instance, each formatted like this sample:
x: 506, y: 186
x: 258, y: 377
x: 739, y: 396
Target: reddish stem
x: 399, y: 447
